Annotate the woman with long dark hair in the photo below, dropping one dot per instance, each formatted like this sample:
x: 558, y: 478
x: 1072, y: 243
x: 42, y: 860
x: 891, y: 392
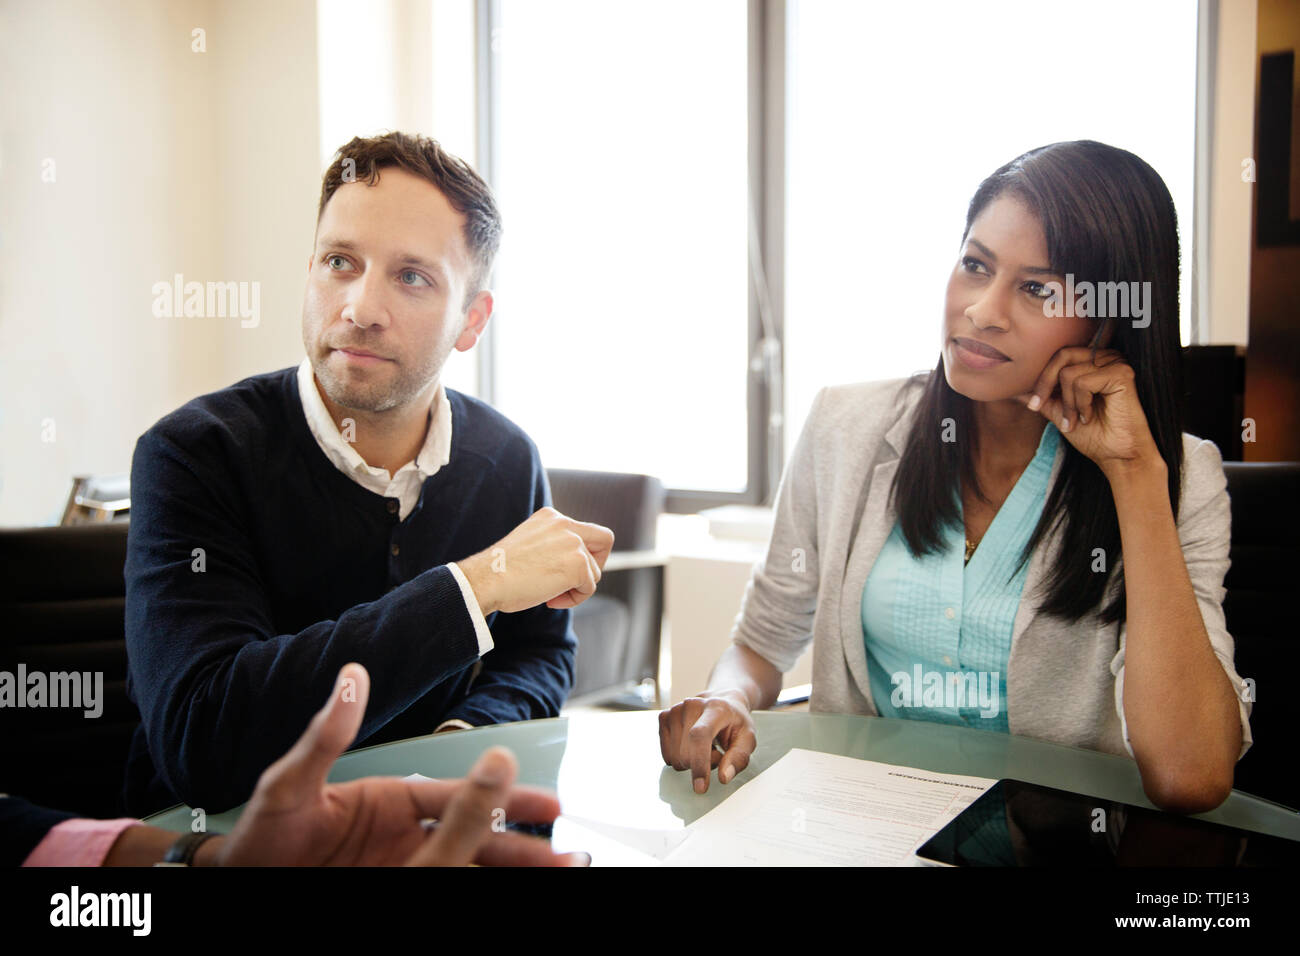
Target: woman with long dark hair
x: 1022, y: 539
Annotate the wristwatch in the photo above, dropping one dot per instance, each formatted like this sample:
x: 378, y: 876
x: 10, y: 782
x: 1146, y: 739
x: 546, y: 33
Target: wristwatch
x: 181, y: 853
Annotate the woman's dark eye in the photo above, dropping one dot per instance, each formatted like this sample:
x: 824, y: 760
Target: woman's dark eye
x: 971, y: 264
x: 1038, y: 290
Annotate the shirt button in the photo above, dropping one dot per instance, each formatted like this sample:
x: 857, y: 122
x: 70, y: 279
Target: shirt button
x: 392, y: 506
x: 947, y: 660
x: 949, y: 613
x: 395, y: 551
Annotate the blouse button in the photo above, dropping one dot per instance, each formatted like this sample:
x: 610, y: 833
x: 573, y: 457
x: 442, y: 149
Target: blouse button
x: 949, y: 613
x: 947, y: 660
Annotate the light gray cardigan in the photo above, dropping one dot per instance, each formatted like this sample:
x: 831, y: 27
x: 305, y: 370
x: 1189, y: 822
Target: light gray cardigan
x: 1065, y: 683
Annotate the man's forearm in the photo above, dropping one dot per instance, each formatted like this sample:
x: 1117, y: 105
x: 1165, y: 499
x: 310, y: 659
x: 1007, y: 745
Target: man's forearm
x: 522, y: 687
x: 529, y: 672
x: 240, y: 716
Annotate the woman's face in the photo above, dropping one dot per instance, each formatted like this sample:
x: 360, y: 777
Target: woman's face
x: 998, y: 335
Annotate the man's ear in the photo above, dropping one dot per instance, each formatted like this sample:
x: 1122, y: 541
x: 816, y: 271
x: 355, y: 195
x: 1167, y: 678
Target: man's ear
x: 476, y: 320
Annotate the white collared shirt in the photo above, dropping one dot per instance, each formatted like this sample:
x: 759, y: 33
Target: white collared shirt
x: 405, y: 485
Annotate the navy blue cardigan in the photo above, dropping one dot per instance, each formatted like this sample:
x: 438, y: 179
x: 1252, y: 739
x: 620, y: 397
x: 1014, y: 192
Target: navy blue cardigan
x: 256, y: 569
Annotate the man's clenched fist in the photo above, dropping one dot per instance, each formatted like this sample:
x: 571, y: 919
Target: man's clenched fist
x: 548, y: 559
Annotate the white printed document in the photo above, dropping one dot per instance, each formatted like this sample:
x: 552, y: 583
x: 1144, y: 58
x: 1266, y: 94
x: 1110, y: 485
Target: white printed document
x: 807, y: 809
x: 816, y: 809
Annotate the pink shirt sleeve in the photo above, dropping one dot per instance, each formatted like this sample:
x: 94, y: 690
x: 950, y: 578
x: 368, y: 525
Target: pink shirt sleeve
x: 78, y: 842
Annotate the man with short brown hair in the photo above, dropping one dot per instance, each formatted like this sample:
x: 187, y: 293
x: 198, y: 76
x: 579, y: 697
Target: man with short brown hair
x: 351, y: 509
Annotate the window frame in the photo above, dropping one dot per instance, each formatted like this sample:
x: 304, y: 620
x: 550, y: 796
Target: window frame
x: 765, y: 67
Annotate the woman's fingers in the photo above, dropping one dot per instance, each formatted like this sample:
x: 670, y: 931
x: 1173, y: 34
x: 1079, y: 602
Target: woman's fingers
x: 736, y: 758
x: 672, y: 725
x: 1056, y: 394
x: 665, y: 736
x: 1071, y: 355
x: 1065, y: 386
x: 1085, y: 390
x: 1041, y: 393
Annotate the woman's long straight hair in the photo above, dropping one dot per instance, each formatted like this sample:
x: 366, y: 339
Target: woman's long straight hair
x: 1107, y: 217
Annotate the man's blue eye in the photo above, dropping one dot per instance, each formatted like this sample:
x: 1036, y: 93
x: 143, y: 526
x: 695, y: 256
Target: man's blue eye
x: 410, y: 272
x: 330, y: 260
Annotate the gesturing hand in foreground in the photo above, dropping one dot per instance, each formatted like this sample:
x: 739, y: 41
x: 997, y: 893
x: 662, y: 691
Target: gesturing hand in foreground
x: 296, y: 818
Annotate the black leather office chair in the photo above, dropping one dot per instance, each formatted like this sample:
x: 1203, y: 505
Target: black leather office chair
x: 1262, y: 584
x: 618, y: 627
x: 61, y: 599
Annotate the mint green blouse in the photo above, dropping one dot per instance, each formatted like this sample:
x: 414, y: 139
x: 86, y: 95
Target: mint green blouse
x: 937, y: 631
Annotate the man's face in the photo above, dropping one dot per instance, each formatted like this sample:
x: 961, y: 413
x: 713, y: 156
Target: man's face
x: 385, y: 290
x: 998, y: 334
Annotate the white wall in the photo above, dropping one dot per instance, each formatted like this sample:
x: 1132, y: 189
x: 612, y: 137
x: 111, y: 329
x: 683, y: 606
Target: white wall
x: 166, y: 160
x: 267, y: 181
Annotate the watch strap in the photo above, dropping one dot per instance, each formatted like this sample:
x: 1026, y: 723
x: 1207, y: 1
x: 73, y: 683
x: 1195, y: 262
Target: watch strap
x: 181, y: 853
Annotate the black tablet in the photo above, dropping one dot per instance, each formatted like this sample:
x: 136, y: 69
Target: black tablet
x: 1015, y: 823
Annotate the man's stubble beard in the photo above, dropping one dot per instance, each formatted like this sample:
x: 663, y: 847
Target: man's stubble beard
x: 373, y: 396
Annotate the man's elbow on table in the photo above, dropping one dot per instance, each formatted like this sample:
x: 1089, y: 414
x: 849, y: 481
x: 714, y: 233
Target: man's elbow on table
x: 213, y: 793
x: 207, y: 773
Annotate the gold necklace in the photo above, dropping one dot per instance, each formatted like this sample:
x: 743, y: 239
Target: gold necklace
x: 970, y: 549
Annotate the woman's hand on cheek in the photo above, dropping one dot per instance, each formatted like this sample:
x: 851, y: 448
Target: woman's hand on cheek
x: 1095, y: 405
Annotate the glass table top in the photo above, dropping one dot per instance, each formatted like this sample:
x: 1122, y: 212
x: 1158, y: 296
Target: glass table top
x: 606, y: 767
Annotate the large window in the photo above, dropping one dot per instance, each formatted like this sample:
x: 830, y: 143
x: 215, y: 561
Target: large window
x: 680, y: 178
x: 620, y: 158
